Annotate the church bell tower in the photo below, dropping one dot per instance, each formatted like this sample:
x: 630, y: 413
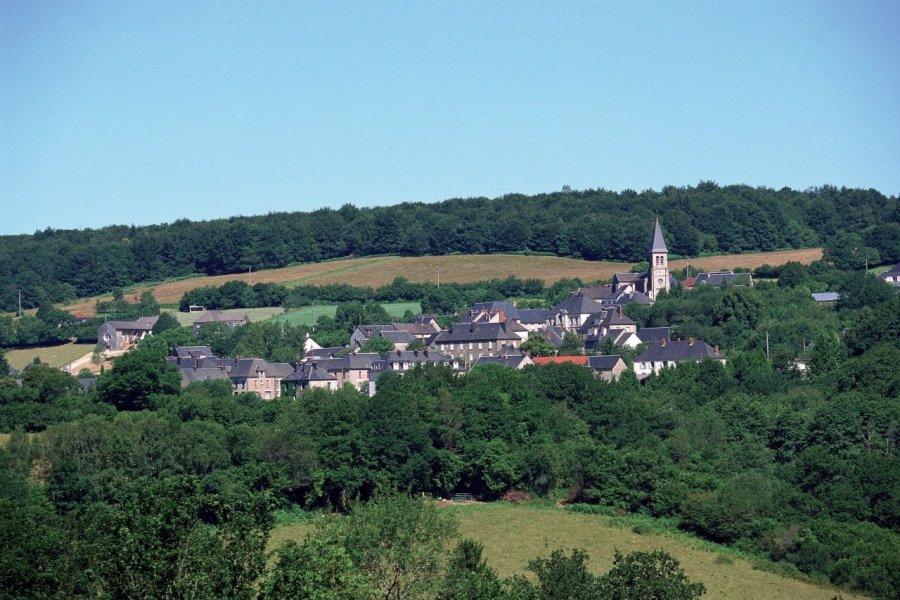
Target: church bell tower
x: 658, y: 274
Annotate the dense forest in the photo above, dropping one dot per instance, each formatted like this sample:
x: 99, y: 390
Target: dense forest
x: 798, y: 469
x: 59, y: 265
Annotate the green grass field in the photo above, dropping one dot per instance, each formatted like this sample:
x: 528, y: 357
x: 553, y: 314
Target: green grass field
x: 514, y: 534
x: 55, y: 356
x: 308, y: 314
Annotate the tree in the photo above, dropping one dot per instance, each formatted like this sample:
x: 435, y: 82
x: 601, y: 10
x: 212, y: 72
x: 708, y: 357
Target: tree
x: 417, y: 344
x: 398, y: 543
x: 648, y: 576
x: 166, y: 538
x: 135, y: 377
x: 468, y: 576
x: 571, y: 345
x: 319, y: 568
x: 165, y: 322
x: 826, y: 354
x: 377, y: 344
x: 562, y: 577
x: 537, y: 345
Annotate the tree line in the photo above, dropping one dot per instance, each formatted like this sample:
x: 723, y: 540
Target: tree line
x: 60, y: 265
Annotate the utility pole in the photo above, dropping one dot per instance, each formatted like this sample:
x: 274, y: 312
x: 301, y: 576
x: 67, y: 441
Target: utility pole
x: 439, y: 277
x: 251, y: 274
x: 20, y: 303
x: 767, y: 345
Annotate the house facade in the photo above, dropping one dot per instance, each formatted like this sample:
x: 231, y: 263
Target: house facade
x: 121, y: 335
x: 467, y: 342
x: 233, y: 321
x: 667, y: 354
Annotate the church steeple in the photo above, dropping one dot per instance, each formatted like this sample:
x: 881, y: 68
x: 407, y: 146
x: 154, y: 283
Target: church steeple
x: 658, y: 274
x: 658, y: 244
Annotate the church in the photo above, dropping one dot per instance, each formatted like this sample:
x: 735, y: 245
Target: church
x: 657, y: 277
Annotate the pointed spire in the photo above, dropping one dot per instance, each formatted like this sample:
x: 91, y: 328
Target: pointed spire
x: 658, y: 244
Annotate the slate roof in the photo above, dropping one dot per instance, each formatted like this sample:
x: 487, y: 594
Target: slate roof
x: 416, y: 356
x: 597, y: 292
x: 604, y: 363
x: 826, y: 296
x: 475, y: 332
x: 678, y: 351
x: 577, y: 304
x: 717, y: 278
x: 554, y: 335
x: 613, y: 318
x: 143, y: 324
x: 655, y: 334
x: 309, y: 372
x: 418, y: 329
x: 87, y: 383
x: 511, y: 361
x: 398, y: 337
x: 190, y: 374
x: 185, y: 352
x: 658, y: 244
x: 508, y: 308
x: 891, y: 273
x: 218, y: 316
x: 534, y: 316
x: 319, y: 353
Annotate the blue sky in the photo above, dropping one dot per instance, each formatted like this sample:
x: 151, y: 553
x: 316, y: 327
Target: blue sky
x: 146, y: 112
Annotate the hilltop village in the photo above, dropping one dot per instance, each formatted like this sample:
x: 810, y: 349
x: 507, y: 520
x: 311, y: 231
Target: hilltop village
x: 584, y: 329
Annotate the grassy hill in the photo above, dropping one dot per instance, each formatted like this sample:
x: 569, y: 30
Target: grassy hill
x: 381, y: 270
x: 514, y: 534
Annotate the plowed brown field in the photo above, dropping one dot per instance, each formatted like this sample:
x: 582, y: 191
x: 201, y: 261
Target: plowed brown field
x: 380, y: 270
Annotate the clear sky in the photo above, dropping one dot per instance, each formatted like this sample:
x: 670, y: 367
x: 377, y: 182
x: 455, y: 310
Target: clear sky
x: 126, y: 112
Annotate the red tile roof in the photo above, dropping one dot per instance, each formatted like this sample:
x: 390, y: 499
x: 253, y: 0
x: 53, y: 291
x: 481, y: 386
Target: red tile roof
x: 575, y: 360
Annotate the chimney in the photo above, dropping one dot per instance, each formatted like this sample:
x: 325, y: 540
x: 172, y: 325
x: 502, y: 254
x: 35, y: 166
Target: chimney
x: 690, y: 341
x: 662, y: 342
x: 501, y: 315
x: 716, y: 349
x: 619, y: 311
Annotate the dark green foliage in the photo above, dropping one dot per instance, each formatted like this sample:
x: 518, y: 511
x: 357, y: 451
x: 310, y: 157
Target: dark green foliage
x: 135, y: 378
x: 562, y: 577
x: 57, y: 266
x: 648, y: 576
x: 797, y: 469
x: 571, y: 345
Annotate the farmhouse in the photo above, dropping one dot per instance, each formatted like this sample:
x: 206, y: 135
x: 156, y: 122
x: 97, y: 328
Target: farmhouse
x: 233, y: 321
x: 120, y: 335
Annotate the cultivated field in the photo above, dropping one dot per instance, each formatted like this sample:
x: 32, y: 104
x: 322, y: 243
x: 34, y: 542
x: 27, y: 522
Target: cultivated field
x: 512, y: 535
x: 747, y: 261
x: 55, y: 356
x: 381, y: 270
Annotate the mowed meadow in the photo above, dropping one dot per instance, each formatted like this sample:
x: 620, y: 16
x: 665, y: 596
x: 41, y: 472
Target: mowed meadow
x: 465, y: 268
x: 514, y: 534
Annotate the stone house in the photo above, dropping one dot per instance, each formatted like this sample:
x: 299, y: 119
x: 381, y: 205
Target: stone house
x: 669, y: 353
x: 467, y: 342
x: 233, y: 321
x: 121, y: 335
